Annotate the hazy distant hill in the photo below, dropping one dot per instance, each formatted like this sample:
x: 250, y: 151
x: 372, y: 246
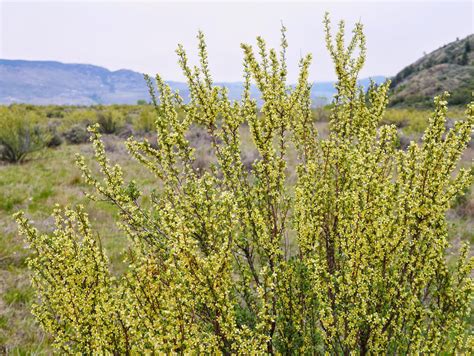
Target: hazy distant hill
x: 450, y: 68
x: 48, y: 82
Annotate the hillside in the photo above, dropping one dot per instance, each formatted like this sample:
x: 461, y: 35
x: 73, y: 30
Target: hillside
x: 450, y: 68
x: 48, y: 82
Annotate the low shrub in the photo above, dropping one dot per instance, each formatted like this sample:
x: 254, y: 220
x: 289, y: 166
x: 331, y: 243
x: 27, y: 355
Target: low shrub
x: 145, y: 122
x: 55, y: 141
x: 55, y: 112
x: 79, y: 117
x: 322, y: 114
x: 411, y: 121
x: 76, y: 135
x: 22, y: 132
x: 110, y: 121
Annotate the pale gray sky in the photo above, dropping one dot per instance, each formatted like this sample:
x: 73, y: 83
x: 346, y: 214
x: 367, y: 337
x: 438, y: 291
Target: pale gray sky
x: 143, y: 35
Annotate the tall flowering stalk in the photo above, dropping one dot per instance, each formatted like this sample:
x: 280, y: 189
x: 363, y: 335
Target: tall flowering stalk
x: 349, y: 257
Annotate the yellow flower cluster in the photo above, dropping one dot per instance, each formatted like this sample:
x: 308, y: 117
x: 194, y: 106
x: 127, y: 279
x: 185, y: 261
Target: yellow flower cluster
x: 347, y: 258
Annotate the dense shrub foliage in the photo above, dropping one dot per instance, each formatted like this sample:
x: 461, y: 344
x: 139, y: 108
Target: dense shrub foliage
x: 76, y: 134
x: 22, y: 132
x: 345, y: 255
x: 146, y: 120
x: 110, y: 121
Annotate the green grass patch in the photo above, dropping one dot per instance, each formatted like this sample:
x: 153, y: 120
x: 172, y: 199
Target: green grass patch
x: 8, y: 200
x: 18, y: 295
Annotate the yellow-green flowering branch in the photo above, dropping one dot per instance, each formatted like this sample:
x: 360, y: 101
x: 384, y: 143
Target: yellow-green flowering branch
x: 349, y: 257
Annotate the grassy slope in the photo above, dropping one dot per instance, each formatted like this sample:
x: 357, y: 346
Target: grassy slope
x: 36, y: 186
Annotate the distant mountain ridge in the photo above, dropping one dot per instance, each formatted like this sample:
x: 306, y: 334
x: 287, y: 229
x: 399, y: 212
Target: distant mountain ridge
x: 51, y: 82
x: 449, y: 68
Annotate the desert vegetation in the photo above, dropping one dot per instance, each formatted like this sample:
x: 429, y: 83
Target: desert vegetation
x: 21, y: 134
x: 237, y: 228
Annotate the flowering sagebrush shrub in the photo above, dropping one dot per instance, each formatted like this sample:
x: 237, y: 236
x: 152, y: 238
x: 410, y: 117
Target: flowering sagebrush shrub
x: 349, y: 257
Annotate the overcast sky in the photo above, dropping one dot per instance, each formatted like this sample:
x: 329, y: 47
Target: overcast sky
x: 143, y: 35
